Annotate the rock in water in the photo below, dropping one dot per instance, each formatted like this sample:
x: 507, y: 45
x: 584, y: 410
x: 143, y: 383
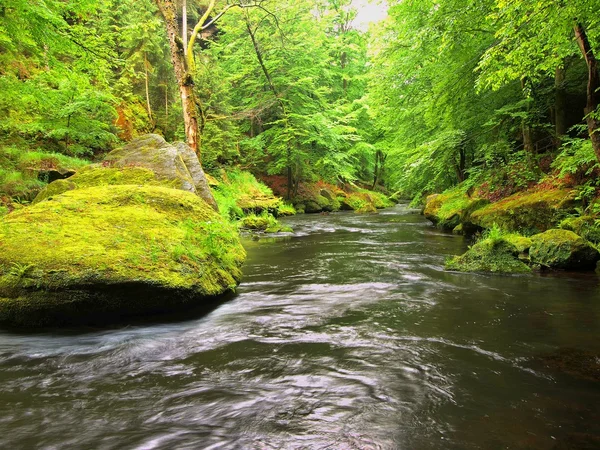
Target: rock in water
x: 116, y: 241
x: 562, y: 249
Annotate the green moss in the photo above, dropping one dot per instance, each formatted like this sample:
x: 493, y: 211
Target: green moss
x: 55, y: 188
x: 562, y: 249
x: 20, y: 170
x: 119, y: 235
x: 489, y: 255
x: 521, y: 243
x: 452, y: 208
x: 285, y: 209
x: 526, y: 212
x: 241, y: 193
x: 110, y: 176
x: 588, y: 227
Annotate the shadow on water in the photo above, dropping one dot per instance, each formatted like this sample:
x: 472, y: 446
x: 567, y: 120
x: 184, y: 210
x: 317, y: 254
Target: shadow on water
x: 347, y: 334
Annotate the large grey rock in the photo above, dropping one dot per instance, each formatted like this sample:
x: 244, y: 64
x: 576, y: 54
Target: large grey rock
x: 176, y: 162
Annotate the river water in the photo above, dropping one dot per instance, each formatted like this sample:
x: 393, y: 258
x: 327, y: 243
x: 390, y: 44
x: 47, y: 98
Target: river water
x: 347, y: 335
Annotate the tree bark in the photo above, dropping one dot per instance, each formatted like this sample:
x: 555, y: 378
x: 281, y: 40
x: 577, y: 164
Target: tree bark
x: 185, y: 81
x: 560, y: 103
x: 593, y: 123
x: 147, y: 85
x: 526, y: 129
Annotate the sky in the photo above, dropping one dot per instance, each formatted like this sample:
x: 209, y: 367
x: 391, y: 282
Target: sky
x: 369, y: 12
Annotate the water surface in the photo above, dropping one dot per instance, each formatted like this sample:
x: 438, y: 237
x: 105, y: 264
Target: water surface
x: 346, y: 335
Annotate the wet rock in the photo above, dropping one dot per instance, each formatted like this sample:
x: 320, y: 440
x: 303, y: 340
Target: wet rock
x: 562, y: 249
x: 489, y: 255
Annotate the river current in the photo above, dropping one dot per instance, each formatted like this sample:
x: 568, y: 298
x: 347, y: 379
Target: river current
x: 347, y: 334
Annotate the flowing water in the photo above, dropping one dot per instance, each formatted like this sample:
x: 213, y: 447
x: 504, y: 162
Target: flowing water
x: 347, y: 335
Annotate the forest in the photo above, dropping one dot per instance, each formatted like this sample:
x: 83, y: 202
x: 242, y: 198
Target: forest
x: 496, y: 95
x: 309, y: 224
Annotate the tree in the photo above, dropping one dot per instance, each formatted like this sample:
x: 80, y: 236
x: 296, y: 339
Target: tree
x: 183, y: 59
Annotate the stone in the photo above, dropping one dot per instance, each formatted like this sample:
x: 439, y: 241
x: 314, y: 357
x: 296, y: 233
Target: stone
x: 562, y: 249
x: 110, y: 251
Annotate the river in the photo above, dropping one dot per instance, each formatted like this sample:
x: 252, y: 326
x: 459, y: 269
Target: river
x: 346, y: 335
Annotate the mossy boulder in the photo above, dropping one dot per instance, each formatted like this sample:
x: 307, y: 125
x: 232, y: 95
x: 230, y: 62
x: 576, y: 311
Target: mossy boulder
x: 489, y: 255
x: 562, y: 249
x: 116, y: 250
x: 55, y: 188
x: 453, y: 209
x: 527, y: 212
x: 174, y: 162
x: 588, y: 227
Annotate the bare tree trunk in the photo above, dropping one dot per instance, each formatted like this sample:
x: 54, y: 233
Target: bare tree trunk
x: 593, y: 123
x: 525, y: 128
x: 147, y: 83
x: 560, y: 103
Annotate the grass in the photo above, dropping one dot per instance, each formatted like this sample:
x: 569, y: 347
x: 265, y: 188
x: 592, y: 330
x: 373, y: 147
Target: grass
x: 19, y: 171
x: 239, y: 193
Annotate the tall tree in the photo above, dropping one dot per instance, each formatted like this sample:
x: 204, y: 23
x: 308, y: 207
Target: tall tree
x: 183, y: 58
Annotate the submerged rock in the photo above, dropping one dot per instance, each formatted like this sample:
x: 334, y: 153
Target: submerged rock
x: 489, y: 255
x: 577, y: 363
x: 113, y: 250
x: 562, y: 249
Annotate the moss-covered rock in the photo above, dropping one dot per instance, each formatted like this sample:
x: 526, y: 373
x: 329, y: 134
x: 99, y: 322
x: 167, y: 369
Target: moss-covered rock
x: 451, y: 209
x: 562, y: 249
x: 174, y: 162
x: 588, y: 227
x: 521, y: 243
x: 489, y: 255
x: 526, y: 212
x: 97, y: 175
x: 113, y: 250
x: 55, y: 188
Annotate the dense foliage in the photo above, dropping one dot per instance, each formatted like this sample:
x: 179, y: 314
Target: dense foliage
x: 493, y: 94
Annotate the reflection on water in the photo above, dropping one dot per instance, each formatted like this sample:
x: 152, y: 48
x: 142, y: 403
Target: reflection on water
x: 346, y: 335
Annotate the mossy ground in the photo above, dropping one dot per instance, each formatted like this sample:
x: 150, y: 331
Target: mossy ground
x: 111, y: 235
x: 239, y: 193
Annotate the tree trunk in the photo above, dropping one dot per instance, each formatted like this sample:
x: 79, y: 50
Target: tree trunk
x: 593, y: 123
x: 147, y: 84
x: 461, y: 165
x: 560, y: 103
x: 184, y: 25
x: 525, y: 128
x: 185, y: 81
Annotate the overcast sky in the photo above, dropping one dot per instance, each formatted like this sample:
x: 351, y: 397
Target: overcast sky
x: 369, y: 12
